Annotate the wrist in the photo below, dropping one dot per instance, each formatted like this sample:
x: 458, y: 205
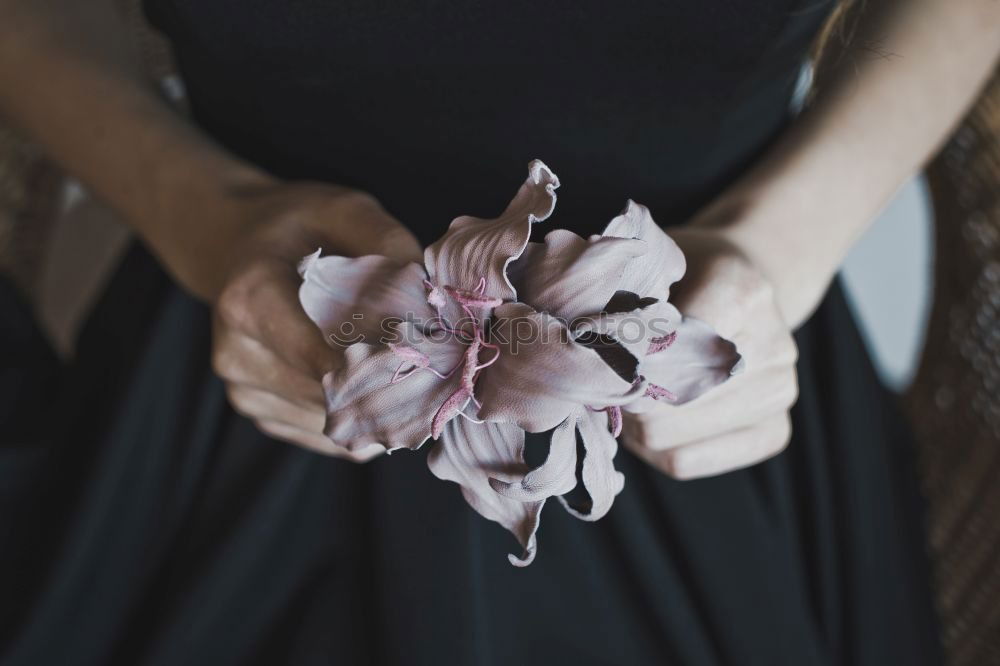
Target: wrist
x: 200, y: 208
x: 785, y: 242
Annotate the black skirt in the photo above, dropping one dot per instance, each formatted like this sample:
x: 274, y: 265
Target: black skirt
x: 144, y: 522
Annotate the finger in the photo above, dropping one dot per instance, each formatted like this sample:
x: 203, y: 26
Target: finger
x: 728, y: 295
x: 355, y: 224
x: 768, y: 345
x: 263, y: 406
x: 727, y: 452
x: 263, y: 304
x: 739, y: 403
x: 386, y: 234
x: 317, y: 442
x: 239, y: 359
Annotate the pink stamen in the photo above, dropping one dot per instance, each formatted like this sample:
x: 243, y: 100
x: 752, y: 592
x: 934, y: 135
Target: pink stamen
x: 656, y: 392
x: 464, y: 336
x: 414, y: 358
x: 448, y: 409
x: 472, y: 299
x: 469, y: 418
x: 615, y: 420
x: 450, y: 372
x: 470, y: 368
x: 417, y: 360
x: 435, y: 297
x: 496, y: 356
x: 657, y: 345
x: 399, y: 375
x: 410, y: 354
x: 469, y: 363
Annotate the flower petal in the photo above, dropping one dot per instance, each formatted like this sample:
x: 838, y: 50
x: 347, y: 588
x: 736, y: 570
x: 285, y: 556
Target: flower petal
x: 370, y: 401
x: 351, y: 299
x: 542, y: 375
x: 470, y: 454
x: 475, y: 249
x: 681, y: 357
x: 602, y: 481
x: 556, y: 476
x: 661, y: 266
x: 570, y: 277
x: 697, y: 361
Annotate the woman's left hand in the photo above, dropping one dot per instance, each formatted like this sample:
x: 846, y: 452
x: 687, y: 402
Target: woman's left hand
x: 746, y: 419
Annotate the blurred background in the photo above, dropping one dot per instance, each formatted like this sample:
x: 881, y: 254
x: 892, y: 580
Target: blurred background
x: 889, y: 278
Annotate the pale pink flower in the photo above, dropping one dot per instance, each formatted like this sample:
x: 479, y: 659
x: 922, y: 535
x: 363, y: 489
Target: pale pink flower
x: 440, y: 351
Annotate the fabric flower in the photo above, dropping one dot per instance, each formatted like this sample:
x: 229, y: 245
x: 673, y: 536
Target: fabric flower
x: 494, y: 336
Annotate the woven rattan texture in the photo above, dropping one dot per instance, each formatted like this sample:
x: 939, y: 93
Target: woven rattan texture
x: 954, y: 402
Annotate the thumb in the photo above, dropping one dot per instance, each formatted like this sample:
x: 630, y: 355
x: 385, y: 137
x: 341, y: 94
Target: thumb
x: 398, y: 242
x: 372, y: 230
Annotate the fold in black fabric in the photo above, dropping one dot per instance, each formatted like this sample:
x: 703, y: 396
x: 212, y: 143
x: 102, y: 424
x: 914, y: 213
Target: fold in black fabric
x: 159, y: 528
x: 143, y: 522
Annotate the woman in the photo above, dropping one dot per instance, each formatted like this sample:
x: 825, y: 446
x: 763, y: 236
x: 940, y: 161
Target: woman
x: 163, y: 529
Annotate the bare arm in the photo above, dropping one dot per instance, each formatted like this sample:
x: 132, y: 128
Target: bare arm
x: 68, y: 79
x: 761, y: 257
x: 881, y: 113
x: 228, y: 232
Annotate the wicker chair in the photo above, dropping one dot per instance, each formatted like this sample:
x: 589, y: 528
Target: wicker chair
x: 954, y: 402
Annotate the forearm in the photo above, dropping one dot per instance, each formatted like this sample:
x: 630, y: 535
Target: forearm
x: 877, y: 119
x: 67, y: 79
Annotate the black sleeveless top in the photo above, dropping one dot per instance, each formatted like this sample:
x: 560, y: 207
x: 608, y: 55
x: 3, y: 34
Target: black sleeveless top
x: 437, y: 107
x: 165, y: 529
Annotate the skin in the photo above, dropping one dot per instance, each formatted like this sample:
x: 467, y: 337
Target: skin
x: 759, y: 259
x: 762, y: 256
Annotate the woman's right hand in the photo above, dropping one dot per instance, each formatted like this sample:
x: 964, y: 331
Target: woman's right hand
x: 271, y: 356
x: 746, y: 419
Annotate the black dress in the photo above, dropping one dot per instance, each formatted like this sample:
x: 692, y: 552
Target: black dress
x: 143, y: 522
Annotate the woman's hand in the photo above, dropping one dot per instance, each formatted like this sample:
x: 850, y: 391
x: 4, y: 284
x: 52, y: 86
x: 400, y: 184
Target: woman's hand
x: 745, y: 420
x: 227, y: 232
x: 791, y: 219
x: 270, y: 355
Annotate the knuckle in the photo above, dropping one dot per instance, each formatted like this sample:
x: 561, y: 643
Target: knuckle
x: 668, y: 463
x: 779, y: 389
x: 354, y: 202
x: 327, y: 446
x: 787, y: 352
x: 645, y: 434
x: 633, y: 430
x: 781, y: 435
x: 790, y: 389
x: 275, y: 430
x: 396, y: 240
x: 358, y: 456
x: 791, y: 350
x: 223, y: 362
x: 677, y: 464
x: 316, y: 442
x: 755, y: 289
x: 760, y: 288
x: 240, y: 402
x: 266, y: 427
x: 235, y: 305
